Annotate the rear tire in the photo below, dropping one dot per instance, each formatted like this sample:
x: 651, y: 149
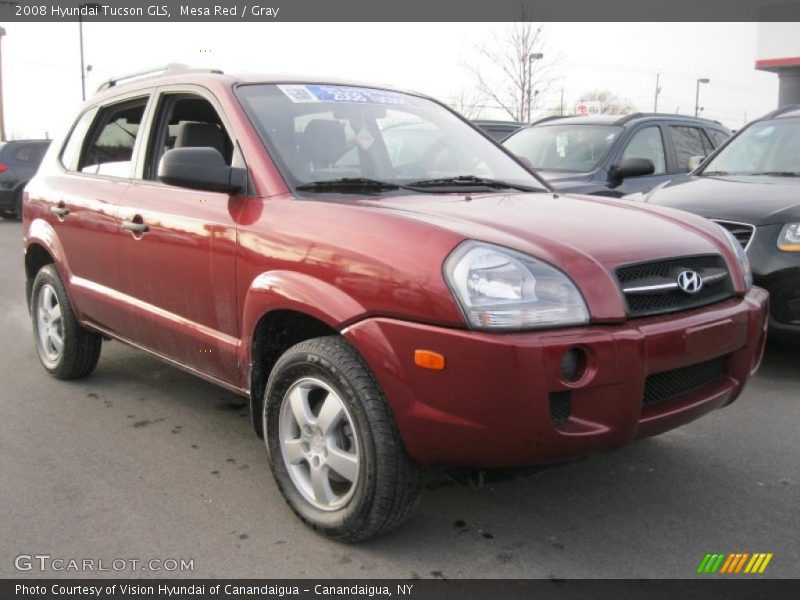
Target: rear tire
x: 16, y: 214
x: 65, y: 349
x: 334, y: 450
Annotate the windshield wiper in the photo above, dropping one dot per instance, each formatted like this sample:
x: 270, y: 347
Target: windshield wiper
x: 471, y: 181
x: 348, y: 184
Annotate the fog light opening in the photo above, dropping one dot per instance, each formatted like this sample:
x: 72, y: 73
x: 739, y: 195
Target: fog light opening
x: 573, y: 365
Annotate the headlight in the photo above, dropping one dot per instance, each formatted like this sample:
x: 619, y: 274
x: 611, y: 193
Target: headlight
x: 498, y: 288
x: 741, y: 257
x: 789, y: 239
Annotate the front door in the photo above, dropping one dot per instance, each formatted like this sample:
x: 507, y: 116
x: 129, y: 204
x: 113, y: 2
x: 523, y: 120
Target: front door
x: 647, y: 142
x: 177, y: 248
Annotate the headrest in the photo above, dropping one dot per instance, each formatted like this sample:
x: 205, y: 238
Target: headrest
x: 323, y: 141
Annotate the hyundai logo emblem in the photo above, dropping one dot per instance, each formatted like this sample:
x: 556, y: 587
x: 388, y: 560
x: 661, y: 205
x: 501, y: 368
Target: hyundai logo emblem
x: 690, y: 282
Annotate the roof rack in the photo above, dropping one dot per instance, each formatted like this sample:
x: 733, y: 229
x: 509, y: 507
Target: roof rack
x: 170, y: 69
x: 639, y: 115
x: 781, y: 111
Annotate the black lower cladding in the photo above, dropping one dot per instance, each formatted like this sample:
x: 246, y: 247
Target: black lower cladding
x: 677, y: 382
x: 560, y: 406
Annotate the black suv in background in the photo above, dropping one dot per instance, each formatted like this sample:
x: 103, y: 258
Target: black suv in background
x: 19, y: 160
x: 751, y: 187
x: 610, y: 155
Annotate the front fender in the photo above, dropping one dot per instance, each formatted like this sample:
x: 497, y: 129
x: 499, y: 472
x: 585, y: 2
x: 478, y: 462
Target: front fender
x: 290, y: 290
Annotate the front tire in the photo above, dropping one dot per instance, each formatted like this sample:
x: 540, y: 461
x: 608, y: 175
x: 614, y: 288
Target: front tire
x: 333, y: 446
x: 65, y: 349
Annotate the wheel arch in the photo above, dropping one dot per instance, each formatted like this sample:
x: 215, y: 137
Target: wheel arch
x: 42, y: 247
x: 284, y: 308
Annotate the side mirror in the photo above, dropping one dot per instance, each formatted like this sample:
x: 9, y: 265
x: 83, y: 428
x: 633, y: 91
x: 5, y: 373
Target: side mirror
x: 695, y: 162
x: 200, y: 169
x: 630, y: 167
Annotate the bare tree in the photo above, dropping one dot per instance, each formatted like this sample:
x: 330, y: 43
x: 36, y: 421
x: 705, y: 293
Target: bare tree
x: 519, y: 73
x: 468, y: 104
x: 610, y: 103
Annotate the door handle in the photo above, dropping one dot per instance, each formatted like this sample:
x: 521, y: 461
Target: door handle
x: 59, y: 210
x: 135, y: 227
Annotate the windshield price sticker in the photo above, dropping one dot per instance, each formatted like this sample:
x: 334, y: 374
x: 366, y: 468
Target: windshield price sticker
x: 300, y: 94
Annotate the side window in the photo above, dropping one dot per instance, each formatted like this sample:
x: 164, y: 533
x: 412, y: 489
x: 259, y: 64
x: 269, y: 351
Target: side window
x: 72, y: 149
x: 688, y: 142
x: 648, y: 143
x: 186, y: 121
x: 109, y: 149
x: 718, y: 137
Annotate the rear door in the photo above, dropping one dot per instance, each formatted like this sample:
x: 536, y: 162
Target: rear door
x: 96, y: 165
x: 179, y: 268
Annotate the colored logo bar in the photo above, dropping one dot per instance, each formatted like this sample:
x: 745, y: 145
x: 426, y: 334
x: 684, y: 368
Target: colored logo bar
x: 735, y: 562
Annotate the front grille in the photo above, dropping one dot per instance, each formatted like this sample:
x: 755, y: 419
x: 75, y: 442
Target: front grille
x: 650, y: 288
x: 741, y: 231
x: 560, y: 406
x: 670, y: 384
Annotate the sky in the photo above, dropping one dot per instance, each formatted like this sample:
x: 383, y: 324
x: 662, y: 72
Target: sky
x: 41, y: 61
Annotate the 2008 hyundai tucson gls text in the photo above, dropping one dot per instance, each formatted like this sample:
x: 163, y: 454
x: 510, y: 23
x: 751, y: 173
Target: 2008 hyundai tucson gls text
x: 390, y: 288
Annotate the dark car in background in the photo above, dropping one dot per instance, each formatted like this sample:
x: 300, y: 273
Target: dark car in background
x: 19, y: 160
x: 751, y: 187
x: 498, y: 130
x: 610, y: 155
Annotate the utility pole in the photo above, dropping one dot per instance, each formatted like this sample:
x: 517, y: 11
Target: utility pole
x: 658, y: 91
x: 562, y: 100
x: 697, y: 108
x: 2, y: 112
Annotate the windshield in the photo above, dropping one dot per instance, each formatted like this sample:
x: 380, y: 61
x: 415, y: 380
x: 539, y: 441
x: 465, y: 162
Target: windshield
x: 332, y: 133
x: 574, y: 148
x: 768, y: 148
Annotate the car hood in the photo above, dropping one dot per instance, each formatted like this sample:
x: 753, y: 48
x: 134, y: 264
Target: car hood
x: 756, y: 200
x: 576, y: 233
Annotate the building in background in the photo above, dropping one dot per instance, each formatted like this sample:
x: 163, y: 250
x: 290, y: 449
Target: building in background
x: 779, y: 52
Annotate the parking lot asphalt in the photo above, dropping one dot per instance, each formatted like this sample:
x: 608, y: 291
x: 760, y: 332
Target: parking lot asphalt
x: 143, y: 461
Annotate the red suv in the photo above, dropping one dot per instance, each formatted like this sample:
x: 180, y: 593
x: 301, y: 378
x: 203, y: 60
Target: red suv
x: 390, y: 288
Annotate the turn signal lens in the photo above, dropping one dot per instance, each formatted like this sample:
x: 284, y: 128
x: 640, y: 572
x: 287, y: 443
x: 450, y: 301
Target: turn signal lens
x: 429, y: 360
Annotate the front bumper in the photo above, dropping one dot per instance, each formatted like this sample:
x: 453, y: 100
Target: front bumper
x: 492, y: 405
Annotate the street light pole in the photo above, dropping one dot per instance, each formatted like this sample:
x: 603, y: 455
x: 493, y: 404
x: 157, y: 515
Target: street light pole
x: 83, y: 72
x: 697, y: 95
x: 2, y: 113
x: 531, y: 57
